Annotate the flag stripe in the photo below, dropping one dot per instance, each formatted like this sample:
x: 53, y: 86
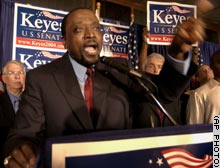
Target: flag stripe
x: 181, y: 154
x: 51, y: 16
x: 50, y: 55
x: 177, y: 9
x: 179, y: 158
x: 187, y: 163
x: 186, y: 158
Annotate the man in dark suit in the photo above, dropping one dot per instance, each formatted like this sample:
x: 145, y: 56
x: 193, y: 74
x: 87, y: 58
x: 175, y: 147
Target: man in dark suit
x: 53, y: 101
x: 13, y: 76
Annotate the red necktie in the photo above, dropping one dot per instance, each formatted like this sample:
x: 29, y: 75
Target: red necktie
x: 88, y: 90
x: 161, y: 116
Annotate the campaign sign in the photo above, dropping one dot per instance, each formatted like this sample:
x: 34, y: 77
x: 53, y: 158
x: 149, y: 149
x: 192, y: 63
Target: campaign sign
x: 33, y: 58
x: 115, y: 38
x: 37, y: 28
x: 176, y: 146
x: 163, y: 18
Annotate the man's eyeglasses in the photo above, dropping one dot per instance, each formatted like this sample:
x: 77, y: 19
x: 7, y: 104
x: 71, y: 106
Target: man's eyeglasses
x: 13, y: 73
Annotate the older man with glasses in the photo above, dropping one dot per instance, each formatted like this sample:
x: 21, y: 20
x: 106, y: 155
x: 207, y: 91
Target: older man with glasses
x: 13, y: 77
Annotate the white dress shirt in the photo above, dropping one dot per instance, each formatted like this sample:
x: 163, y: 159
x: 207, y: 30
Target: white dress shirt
x: 204, y: 103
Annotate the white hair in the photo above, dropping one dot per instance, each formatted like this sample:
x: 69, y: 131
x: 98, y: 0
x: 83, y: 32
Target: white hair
x: 13, y: 62
x: 157, y: 55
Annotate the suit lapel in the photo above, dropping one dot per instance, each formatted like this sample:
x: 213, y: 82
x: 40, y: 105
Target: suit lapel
x: 9, y: 106
x: 67, y: 82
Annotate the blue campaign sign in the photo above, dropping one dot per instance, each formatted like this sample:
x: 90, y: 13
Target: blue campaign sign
x: 33, y: 58
x: 163, y: 18
x: 115, y: 38
x: 34, y: 22
x: 36, y: 28
x: 177, y: 146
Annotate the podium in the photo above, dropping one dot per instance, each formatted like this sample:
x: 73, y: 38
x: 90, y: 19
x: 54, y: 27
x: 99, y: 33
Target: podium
x: 189, y: 146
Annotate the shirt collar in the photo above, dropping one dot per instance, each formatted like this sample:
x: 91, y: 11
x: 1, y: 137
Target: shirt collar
x: 13, y: 97
x: 79, y: 69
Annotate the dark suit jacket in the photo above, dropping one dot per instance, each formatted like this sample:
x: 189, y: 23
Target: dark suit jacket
x: 53, y: 105
x: 171, y: 86
x: 7, y: 115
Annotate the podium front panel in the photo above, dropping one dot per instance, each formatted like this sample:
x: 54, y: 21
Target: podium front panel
x: 151, y: 147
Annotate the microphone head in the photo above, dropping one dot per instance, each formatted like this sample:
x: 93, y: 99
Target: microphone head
x: 119, y: 64
x: 102, y: 58
x: 116, y: 63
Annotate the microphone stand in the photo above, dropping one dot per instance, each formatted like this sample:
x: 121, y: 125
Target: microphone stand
x: 158, y: 104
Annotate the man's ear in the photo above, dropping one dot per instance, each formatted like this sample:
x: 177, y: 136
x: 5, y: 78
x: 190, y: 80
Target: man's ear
x: 64, y: 42
x: 3, y: 78
x: 197, y: 79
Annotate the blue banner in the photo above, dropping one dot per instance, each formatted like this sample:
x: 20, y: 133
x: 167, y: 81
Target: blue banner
x: 33, y: 58
x: 37, y: 35
x: 115, y: 38
x: 163, y: 18
x: 177, y: 146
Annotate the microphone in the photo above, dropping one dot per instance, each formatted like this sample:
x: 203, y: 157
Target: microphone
x: 138, y: 75
x: 131, y: 72
x: 122, y: 68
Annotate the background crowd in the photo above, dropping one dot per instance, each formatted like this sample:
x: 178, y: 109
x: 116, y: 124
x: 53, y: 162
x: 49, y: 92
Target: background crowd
x: 58, y: 105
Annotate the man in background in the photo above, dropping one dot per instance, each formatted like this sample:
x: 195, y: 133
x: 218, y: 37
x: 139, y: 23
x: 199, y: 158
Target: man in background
x: 204, y: 74
x: 13, y: 76
x: 153, y: 63
x: 203, y: 102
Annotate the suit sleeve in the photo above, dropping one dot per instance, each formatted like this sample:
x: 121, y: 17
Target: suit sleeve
x: 171, y: 83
